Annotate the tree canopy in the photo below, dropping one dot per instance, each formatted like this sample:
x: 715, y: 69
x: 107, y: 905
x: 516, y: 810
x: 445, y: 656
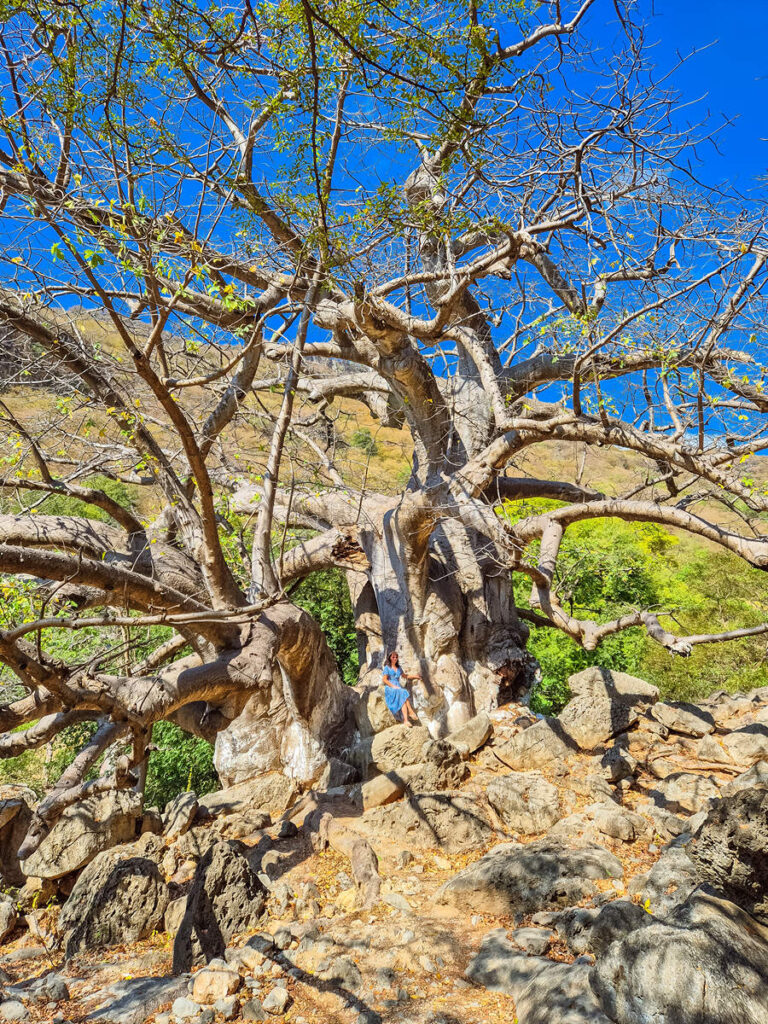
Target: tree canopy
x: 236, y: 239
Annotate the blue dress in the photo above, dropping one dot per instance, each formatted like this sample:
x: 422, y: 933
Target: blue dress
x: 394, y: 694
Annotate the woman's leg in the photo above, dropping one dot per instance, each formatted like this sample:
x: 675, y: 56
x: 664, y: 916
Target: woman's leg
x: 409, y: 715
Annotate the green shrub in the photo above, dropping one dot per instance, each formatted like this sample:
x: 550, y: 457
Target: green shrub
x: 363, y: 439
x: 180, y: 763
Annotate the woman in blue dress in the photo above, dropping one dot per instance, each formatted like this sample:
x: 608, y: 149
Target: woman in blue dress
x: 397, y: 697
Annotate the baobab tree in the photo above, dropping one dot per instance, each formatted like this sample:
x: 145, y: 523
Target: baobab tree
x: 476, y: 225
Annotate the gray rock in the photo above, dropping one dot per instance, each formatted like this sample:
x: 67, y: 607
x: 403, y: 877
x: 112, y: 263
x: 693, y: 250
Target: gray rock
x: 730, y: 847
x: 574, y: 928
x: 342, y: 972
x: 398, y: 746
x: 617, y: 764
x: 591, y: 721
x: 451, y: 821
x: 272, y: 793
x: 337, y: 773
x: 134, y: 1000
x: 560, y: 993
x: 748, y: 745
x: 536, y: 747
x: 602, y: 682
x: 15, y: 819
x: 670, y: 881
x: 533, y: 940
x: 371, y: 712
x: 12, y: 1009
x: 85, y: 829
x: 686, y: 719
x: 253, y: 1010
x: 276, y: 1001
x: 525, y: 802
x: 516, y: 878
x: 226, y: 897
x: 50, y: 988
x: 227, y: 1007
x: 120, y: 897
x: 757, y: 775
x: 185, y: 1008
x: 8, y: 918
x: 179, y: 815
x: 684, y: 791
x: 613, y: 922
x: 707, y: 963
x: 472, y: 735
x: 174, y: 913
x: 612, y: 820
x: 544, y: 992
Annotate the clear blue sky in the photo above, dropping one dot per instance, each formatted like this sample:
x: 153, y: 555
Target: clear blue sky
x: 731, y: 76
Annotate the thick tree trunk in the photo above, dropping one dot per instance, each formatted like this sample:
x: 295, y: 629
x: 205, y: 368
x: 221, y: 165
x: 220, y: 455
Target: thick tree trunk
x: 448, y: 608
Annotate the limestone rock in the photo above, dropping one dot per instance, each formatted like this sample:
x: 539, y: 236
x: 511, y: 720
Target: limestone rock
x: 686, y: 719
x: 602, y: 682
x: 472, y: 735
x: 748, y: 745
x: 670, y: 881
x: 525, y: 802
x: 94, y: 824
x: 226, y: 897
x: 399, y: 746
x: 371, y: 712
x: 276, y: 1001
x: 613, y: 922
x: 272, y: 793
x: 8, y: 918
x: 452, y: 822
x: 214, y: 982
x: 174, y: 913
x: 15, y: 818
x: 591, y: 721
x: 120, y: 897
x: 707, y: 962
x: 684, y: 791
x: 515, y: 878
x: 533, y: 940
x: 757, y: 775
x: 382, y: 789
x: 730, y: 850
x: 535, y: 747
x: 179, y: 815
x: 543, y: 991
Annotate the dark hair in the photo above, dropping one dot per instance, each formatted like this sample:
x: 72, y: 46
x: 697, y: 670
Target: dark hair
x: 390, y: 656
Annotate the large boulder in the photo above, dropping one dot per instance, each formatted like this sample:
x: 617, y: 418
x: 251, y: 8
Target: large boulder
x: 135, y: 1000
x: 543, y: 991
x: 472, y: 735
x: 399, y: 746
x: 516, y: 878
x: 730, y: 850
x: 452, y: 822
x: 602, y: 682
x: 748, y: 745
x: 85, y: 829
x: 119, y: 897
x: 687, y: 719
x: 179, y: 815
x: 525, y: 802
x: 592, y: 721
x: 707, y: 963
x: 757, y: 775
x: 669, y: 882
x: 226, y: 897
x: 273, y: 793
x: 684, y: 791
x: 536, y: 747
x: 371, y: 712
x: 15, y: 819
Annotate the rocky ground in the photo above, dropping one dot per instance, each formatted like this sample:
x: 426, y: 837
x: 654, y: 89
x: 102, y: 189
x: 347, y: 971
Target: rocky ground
x: 606, y: 866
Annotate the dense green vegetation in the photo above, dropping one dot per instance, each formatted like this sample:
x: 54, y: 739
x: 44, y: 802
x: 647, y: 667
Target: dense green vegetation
x: 610, y: 567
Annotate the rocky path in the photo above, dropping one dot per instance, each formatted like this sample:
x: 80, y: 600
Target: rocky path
x: 607, y: 866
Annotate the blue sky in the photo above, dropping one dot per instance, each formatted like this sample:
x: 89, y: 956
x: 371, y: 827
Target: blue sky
x: 731, y: 76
